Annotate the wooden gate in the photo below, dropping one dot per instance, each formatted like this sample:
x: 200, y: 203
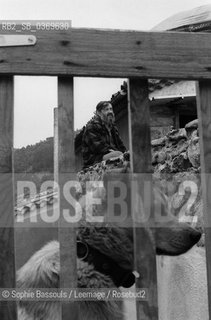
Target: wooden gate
x: 102, y: 53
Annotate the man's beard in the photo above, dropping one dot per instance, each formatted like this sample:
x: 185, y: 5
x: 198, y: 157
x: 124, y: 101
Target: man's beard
x: 109, y: 119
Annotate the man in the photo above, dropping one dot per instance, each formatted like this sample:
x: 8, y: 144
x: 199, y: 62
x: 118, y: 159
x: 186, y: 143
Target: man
x: 101, y: 140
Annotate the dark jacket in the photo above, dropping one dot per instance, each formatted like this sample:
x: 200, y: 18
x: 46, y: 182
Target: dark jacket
x: 97, y: 141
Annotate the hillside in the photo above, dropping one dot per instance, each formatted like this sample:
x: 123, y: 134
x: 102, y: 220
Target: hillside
x: 35, y: 158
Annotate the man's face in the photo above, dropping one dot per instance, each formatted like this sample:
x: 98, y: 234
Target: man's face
x: 107, y: 114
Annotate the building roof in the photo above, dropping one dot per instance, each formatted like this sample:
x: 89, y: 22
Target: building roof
x: 174, y: 89
x: 194, y: 20
x: 160, y: 91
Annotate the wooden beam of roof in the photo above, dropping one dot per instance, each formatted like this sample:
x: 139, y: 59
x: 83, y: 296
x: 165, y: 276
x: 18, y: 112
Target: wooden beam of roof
x: 108, y: 53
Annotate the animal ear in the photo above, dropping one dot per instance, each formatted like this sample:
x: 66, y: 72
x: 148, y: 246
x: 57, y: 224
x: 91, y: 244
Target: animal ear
x: 42, y: 269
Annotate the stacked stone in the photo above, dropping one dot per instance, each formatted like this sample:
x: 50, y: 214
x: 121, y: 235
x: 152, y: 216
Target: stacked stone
x: 178, y: 150
x: 176, y: 164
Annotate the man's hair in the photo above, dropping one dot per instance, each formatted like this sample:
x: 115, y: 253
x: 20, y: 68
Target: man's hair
x: 101, y: 105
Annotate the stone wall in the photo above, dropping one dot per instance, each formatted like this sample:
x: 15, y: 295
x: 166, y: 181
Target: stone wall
x: 176, y: 164
x: 178, y: 150
x: 182, y: 281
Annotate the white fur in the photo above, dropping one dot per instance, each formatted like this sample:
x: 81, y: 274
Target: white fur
x: 42, y: 271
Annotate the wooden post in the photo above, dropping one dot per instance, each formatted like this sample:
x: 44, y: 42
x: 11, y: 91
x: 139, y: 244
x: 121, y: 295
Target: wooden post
x: 140, y: 148
x: 7, y: 260
x: 204, y: 116
x: 56, y: 146
x: 67, y: 234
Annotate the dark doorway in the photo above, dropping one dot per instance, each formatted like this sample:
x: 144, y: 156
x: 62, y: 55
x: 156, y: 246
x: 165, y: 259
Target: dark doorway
x: 184, y: 119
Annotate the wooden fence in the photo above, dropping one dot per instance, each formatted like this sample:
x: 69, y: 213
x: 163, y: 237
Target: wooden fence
x: 102, y: 53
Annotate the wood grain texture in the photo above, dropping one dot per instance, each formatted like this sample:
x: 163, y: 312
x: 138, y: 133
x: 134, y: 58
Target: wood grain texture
x: 144, y: 251
x: 140, y: 126
x: 67, y: 234
x: 109, y: 53
x: 56, y: 146
x: 204, y: 116
x: 7, y: 260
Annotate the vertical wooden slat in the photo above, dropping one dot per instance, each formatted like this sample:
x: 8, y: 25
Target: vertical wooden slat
x: 140, y: 147
x: 56, y: 146
x: 204, y: 116
x: 67, y: 235
x: 7, y: 260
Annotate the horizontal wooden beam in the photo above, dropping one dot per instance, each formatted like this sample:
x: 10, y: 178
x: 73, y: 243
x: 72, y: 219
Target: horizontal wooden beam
x: 109, y: 53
